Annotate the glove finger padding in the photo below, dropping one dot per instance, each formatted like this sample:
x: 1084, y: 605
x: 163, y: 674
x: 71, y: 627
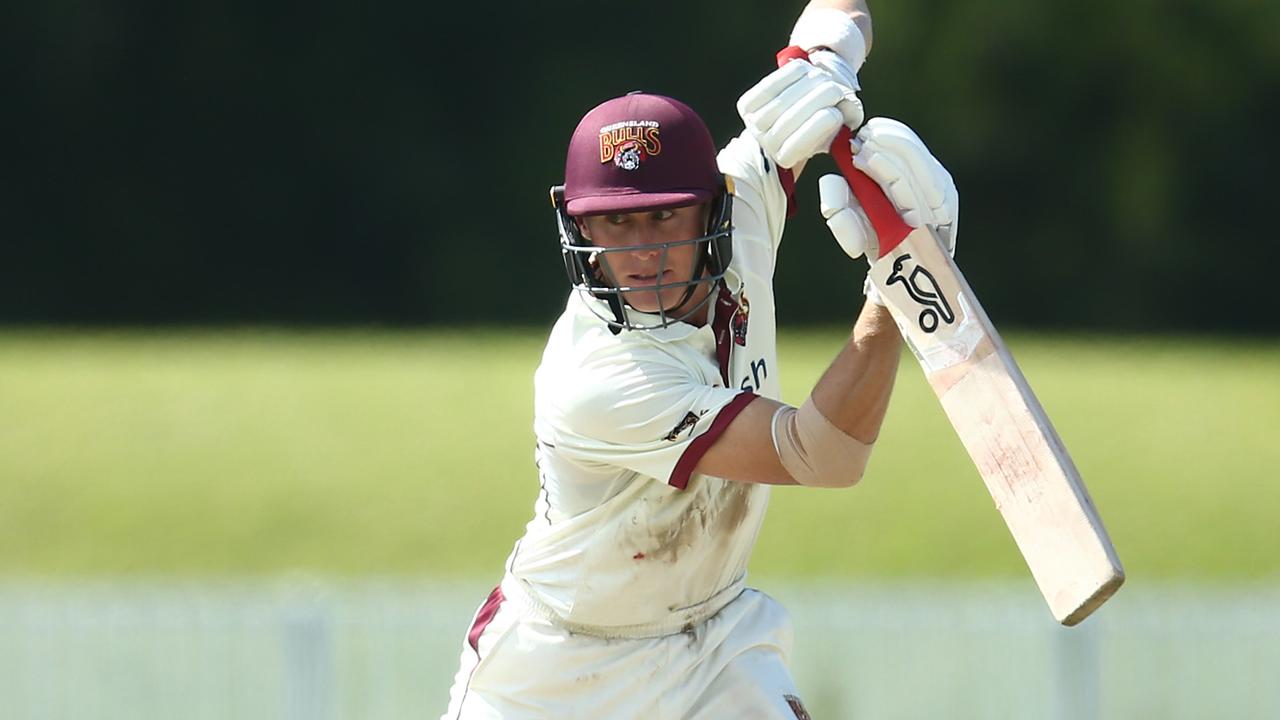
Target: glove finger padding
x: 892, y: 175
x: 770, y: 86
x: 795, y: 112
x: 845, y: 76
x: 765, y: 118
x: 813, y: 137
x: 841, y: 70
x: 850, y: 108
x: 919, y: 165
x: 846, y: 219
x: 915, y: 182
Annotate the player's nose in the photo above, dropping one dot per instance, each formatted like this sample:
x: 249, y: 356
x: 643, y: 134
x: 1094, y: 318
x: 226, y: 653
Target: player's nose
x: 646, y: 243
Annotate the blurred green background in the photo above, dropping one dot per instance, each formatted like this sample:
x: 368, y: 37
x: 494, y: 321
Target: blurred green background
x: 409, y: 453
x: 275, y: 277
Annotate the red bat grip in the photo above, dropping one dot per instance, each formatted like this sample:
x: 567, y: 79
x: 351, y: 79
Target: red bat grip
x: 885, y: 220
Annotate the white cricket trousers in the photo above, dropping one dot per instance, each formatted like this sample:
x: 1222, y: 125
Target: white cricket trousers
x: 517, y: 665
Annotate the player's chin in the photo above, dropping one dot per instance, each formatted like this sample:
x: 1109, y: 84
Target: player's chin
x: 645, y: 301
x: 654, y: 301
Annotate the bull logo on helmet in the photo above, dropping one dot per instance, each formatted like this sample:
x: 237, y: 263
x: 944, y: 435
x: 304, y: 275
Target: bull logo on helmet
x: 629, y: 156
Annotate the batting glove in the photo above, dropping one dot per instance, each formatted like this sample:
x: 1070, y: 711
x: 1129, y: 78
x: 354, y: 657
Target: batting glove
x: 796, y: 110
x: 849, y: 225
x: 846, y: 219
x: 917, y: 184
x: 912, y: 178
x: 835, y: 44
x: 841, y: 71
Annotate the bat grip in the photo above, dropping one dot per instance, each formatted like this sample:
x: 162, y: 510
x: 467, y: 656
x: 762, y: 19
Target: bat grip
x: 890, y: 228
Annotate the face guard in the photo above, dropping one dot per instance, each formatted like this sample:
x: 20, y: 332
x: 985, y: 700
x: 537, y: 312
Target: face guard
x: 588, y: 276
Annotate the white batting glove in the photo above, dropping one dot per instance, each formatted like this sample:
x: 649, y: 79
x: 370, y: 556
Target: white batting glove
x: 846, y: 219
x: 835, y: 44
x: 847, y: 78
x: 841, y: 71
x: 849, y: 225
x: 795, y: 112
x: 916, y: 183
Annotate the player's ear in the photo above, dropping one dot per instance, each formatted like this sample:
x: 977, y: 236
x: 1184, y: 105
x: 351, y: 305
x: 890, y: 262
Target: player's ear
x: 582, y: 227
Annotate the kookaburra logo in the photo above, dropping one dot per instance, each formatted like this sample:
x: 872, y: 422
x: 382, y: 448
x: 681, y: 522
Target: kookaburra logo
x: 923, y: 288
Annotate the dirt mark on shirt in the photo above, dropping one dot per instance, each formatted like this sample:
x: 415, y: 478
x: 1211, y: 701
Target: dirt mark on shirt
x: 716, y: 514
x: 735, y: 504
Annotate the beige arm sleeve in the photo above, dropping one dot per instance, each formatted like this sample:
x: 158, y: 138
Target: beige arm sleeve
x: 815, y: 452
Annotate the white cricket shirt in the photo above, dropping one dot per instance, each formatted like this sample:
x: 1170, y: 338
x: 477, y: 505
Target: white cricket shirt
x: 624, y: 539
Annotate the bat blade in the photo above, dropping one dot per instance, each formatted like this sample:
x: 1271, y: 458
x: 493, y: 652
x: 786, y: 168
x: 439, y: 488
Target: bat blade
x: 1002, y: 425
x: 1019, y: 455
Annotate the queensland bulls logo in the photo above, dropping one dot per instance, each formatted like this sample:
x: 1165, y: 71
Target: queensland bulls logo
x: 739, y: 322
x: 629, y: 143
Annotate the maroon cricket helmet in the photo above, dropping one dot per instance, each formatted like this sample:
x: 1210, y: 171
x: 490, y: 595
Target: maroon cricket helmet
x: 639, y: 152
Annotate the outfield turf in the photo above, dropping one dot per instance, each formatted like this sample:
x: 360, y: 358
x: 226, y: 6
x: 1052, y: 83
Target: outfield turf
x: 348, y: 453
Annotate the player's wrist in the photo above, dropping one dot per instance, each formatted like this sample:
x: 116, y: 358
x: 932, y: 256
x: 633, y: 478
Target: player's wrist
x: 824, y: 27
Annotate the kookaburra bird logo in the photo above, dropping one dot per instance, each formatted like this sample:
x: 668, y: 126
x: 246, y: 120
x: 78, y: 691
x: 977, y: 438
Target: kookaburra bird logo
x: 923, y: 288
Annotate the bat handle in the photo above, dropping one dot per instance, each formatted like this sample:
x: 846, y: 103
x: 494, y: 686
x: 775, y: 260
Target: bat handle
x: 890, y: 228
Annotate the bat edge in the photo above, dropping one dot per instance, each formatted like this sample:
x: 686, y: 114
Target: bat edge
x: 1095, y: 600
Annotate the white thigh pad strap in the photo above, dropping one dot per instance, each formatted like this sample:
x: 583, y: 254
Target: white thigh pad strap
x: 815, y: 452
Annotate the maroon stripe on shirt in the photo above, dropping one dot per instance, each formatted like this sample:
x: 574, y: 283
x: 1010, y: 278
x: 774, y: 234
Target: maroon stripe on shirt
x: 484, y: 617
x: 726, y: 306
x: 700, y: 445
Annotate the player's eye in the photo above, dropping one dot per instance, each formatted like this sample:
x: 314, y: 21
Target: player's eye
x: 663, y: 214
x: 615, y: 219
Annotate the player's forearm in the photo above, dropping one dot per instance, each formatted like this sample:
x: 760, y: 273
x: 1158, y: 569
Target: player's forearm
x: 857, y: 10
x: 826, y: 442
x: 854, y: 392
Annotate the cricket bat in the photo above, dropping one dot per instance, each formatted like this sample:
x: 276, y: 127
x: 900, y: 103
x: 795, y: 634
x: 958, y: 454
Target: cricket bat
x: 1001, y: 424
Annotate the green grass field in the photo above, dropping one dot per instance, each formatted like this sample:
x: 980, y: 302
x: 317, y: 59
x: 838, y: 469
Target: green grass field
x: 351, y: 453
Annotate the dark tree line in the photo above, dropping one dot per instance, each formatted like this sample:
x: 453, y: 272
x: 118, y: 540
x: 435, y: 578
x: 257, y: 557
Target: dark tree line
x: 351, y: 163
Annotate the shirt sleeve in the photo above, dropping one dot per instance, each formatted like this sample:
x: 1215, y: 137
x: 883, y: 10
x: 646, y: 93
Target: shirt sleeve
x: 762, y: 192
x: 652, y: 418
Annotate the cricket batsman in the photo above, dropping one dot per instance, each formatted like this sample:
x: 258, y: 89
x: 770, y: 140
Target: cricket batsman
x: 657, y: 413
